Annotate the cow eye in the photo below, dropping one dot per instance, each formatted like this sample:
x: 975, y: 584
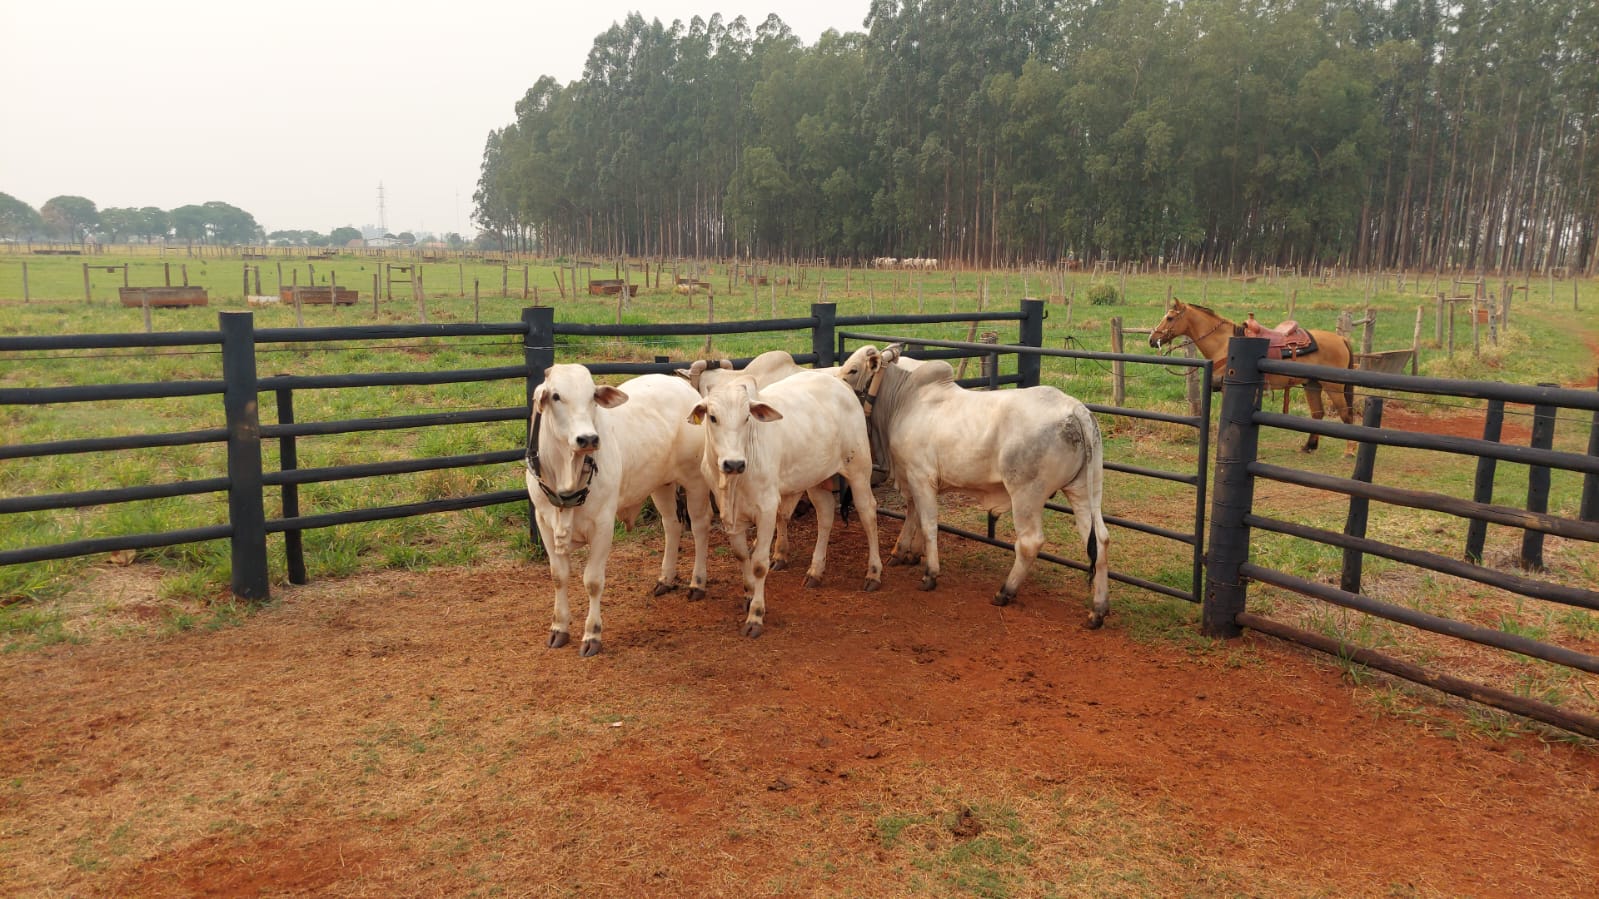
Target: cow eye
x: 713, y: 419
x: 555, y: 397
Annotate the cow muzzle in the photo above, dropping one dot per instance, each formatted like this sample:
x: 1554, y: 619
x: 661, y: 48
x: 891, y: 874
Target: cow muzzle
x: 733, y: 466
x: 587, y: 443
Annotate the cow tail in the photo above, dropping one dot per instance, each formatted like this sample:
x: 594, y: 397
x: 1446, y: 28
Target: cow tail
x: 682, y: 505
x: 846, y: 497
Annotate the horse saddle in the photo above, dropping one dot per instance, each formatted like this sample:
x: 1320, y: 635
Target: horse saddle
x: 1287, y: 339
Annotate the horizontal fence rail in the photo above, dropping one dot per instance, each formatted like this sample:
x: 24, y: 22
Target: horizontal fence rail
x: 1233, y: 519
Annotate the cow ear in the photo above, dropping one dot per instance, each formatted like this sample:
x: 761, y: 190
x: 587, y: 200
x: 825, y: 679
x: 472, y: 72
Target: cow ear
x: 696, y: 415
x: 763, y: 412
x: 609, y: 397
x: 684, y: 374
x: 541, y: 396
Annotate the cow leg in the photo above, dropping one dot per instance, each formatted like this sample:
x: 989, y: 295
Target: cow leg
x: 755, y: 619
x: 1086, y: 495
x: 826, y: 506
x: 785, y: 514
x: 699, y: 517
x: 560, y: 557
x: 860, y: 484
x: 1313, y: 396
x: 1027, y: 515
x: 908, y: 548
x: 666, y: 504
x: 594, y: 585
x: 926, y: 501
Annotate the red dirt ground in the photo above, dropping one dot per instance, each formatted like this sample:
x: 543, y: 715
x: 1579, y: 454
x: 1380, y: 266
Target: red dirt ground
x: 408, y: 734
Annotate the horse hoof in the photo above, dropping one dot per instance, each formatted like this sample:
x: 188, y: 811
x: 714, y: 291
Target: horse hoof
x: 751, y: 629
x: 929, y: 583
x: 1002, y: 598
x: 872, y: 585
x: 778, y: 565
x: 695, y: 594
x: 812, y: 581
x: 662, y: 588
x: 558, y: 639
x: 591, y: 648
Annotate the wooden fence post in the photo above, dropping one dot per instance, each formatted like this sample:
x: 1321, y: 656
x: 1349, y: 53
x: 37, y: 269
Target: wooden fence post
x: 822, y: 333
x: 289, y: 460
x: 1359, y: 506
x: 1590, y: 481
x: 86, y: 297
x: 1482, y: 489
x: 25, y: 297
x: 1237, y: 443
x: 246, y: 506
x: 1543, y: 437
x: 1118, y: 369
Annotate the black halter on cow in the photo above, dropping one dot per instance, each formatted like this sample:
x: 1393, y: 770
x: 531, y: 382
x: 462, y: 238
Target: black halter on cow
x: 1010, y: 449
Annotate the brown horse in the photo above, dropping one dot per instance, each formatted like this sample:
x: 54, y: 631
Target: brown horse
x: 1210, y: 332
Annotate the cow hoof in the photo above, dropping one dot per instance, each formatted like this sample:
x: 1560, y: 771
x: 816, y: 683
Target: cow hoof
x: 929, y: 582
x: 778, y: 565
x: 662, y: 588
x: 1307, y: 448
x: 1095, y: 620
x: 558, y: 639
x: 591, y: 648
x: 751, y: 629
x: 695, y: 594
x: 812, y: 581
x: 872, y: 585
x: 1002, y: 598
x: 895, y: 560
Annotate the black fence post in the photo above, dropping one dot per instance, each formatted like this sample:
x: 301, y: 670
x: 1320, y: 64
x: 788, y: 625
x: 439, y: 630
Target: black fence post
x: 1237, y: 441
x: 1543, y: 437
x: 1483, y: 488
x: 1360, y: 506
x: 1590, y: 481
x: 824, y: 314
x: 1028, y: 365
x: 246, y: 504
x: 538, y: 352
x: 289, y: 460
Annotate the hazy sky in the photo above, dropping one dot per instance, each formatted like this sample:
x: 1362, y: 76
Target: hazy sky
x: 294, y: 111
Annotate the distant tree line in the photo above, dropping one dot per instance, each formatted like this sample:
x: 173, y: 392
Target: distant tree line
x: 77, y: 219
x: 1362, y: 132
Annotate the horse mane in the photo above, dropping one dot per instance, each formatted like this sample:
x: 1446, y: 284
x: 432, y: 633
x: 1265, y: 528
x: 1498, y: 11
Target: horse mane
x: 1207, y: 310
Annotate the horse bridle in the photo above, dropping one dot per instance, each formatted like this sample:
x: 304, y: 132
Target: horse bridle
x: 1219, y: 323
x: 571, y: 498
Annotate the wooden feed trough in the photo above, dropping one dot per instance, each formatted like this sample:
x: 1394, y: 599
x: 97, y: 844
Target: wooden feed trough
x: 318, y: 296
x: 1393, y: 362
x: 158, y: 297
x: 611, y: 287
x: 689, y: 285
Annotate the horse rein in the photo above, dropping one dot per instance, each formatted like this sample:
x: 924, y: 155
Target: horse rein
x: 571, y: 498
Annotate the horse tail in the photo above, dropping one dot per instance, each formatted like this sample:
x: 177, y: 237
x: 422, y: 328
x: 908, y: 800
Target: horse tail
x: 1349, y: 389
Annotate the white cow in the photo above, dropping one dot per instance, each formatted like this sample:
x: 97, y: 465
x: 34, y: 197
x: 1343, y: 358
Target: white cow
x: 594, y: 454
x: 766, y: 369
x: 762, y: 449
x: 1011, y: 449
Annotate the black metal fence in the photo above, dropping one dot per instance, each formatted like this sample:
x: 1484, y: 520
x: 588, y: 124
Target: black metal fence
x: 1233, y: 517
x: 245, y: 480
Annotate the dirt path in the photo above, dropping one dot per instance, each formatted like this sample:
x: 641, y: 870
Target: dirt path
x: 408, y: 734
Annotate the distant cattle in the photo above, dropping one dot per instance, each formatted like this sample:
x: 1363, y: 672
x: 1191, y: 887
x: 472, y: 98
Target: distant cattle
x: 1010, y: 449
x: 595, y: 453
x: 762, y: 448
